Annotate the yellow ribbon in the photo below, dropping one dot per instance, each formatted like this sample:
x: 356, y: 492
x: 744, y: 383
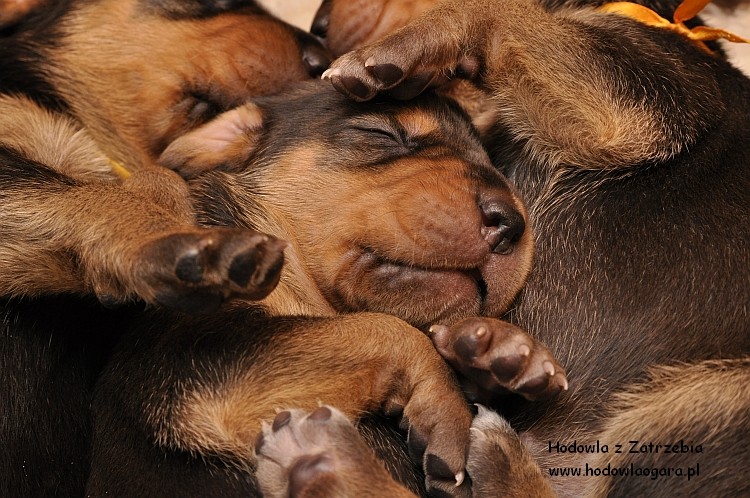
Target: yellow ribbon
x: 685, y: 11
x: 119, y: 169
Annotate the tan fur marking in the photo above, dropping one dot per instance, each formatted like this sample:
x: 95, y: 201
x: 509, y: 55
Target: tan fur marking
x: 417, y: 123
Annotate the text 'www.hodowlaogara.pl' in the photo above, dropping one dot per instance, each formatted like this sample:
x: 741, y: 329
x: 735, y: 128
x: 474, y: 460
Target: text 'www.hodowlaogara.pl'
x: 627, y: 469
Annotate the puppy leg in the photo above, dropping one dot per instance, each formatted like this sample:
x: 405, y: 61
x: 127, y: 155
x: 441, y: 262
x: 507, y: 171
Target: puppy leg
x: 685, y: 430
x: 320, y: 454
x: 61, y: 234
x: 552, y: 77
x: 202, y: 386
x: 499, y: 358
x: 499, y: 464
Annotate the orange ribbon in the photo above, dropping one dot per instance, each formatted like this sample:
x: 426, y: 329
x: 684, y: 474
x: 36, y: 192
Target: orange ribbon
x: 685, y: 11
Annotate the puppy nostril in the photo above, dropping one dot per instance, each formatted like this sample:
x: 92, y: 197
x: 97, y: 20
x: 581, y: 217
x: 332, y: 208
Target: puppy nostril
x: 316, y: 60
x: 502, y: 226
x: 322, y: 17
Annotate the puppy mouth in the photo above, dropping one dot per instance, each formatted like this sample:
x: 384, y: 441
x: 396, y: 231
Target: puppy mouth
x: 419, y: 294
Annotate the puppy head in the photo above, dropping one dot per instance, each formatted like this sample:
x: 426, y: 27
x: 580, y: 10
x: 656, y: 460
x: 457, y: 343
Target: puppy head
x: 139, y: 73
x: 346, y: 24
x: 388, y: 206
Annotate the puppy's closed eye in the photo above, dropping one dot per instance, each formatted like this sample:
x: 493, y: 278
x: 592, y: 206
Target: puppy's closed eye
x: 382, y: 133
x: 198, y: 107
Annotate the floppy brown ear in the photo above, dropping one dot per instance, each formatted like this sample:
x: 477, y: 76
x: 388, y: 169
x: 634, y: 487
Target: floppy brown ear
x: 225, y: 143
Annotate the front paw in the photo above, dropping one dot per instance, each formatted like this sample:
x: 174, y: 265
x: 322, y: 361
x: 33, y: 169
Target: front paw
x: 500, y: 358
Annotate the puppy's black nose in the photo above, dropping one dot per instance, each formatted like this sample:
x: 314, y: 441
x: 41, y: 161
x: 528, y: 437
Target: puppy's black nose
x: 316, y: 59
x: 502, y: 225
x: 315, y: 56
x: 320, y: 22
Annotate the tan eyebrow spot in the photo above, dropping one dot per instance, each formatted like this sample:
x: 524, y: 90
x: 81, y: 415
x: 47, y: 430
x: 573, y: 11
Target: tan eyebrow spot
x: 417, y: 123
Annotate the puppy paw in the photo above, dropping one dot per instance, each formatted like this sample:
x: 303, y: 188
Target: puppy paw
x: 318, y: 454
x: 196, y: 272
x: 425, y: 53
x: 499, y: 464
x: 500, y: 358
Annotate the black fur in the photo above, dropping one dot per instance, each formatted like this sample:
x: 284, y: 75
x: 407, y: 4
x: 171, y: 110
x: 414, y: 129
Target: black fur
x: 51, y: 353
x: 667, y: 244
x: 22, y: 66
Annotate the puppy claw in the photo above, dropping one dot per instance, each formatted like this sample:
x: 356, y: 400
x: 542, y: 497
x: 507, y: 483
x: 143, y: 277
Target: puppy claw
x: 330, y: 73
x: 549, y: 368
x: 460, y: 478
x: 524, y: 350
x: 438, y: 329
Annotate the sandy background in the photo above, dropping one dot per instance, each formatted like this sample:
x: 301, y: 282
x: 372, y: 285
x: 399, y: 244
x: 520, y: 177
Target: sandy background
x: 738, y: 22
x: 297, y: 12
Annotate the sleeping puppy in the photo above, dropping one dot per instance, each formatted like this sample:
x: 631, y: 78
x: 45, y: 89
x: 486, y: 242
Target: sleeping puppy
x: 91, y: 87
x: 630, y: 145
x: 386, y: 207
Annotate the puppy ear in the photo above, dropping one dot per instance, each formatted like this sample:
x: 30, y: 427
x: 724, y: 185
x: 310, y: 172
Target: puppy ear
x: 224, y: 143
x: 477, y: 103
